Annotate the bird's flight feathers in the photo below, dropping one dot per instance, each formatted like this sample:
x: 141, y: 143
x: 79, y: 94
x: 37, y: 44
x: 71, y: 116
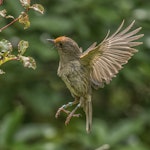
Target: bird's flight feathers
x: 108, y: 57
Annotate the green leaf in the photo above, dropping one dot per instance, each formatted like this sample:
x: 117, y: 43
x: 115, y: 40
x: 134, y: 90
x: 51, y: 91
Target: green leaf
x: 3, y: 13
x: 22, y: 46
x: 104, y: 147
x: 1, y: 71
x: 9, y: 125
x: 5, y: 47
x: 28, y: 62
x: 25, y: 3
x: 4, y: 59
x: 33, y: 131
x: 5, y: 50
x: 24, y: 19
x: 38, y: 7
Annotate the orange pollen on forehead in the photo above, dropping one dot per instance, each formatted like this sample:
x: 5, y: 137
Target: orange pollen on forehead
x: 59, y: 39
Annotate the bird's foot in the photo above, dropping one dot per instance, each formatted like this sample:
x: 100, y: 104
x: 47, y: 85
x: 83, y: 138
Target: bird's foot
x: 63, y: 108
x: 59, y: 111
x: 72, y: 114
x: 66, y: 111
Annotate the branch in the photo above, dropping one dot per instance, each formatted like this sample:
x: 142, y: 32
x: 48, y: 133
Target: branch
x: 3, y: 28
x: 15, y: 20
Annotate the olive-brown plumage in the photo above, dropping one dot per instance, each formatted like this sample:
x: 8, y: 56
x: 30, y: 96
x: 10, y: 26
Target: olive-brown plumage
x: 82, y: 71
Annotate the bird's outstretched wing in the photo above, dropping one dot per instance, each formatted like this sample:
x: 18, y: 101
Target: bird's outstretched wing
x: 107, y: 58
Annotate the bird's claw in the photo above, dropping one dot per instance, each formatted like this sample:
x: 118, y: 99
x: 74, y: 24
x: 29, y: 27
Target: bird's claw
x: 59, y: 111
x: 67, y: 112
x: 70, y: 116
x: 63, y: 108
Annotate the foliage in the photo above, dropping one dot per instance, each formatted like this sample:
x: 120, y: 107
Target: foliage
x: 30, y: 98
x: 6, y: 46
x: 5, y: 54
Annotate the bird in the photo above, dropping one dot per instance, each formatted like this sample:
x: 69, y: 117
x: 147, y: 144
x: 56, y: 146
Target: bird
x: 84, y: 71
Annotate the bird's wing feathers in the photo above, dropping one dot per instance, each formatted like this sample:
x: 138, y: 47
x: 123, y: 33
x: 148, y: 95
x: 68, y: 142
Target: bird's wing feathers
x: 107, y: 58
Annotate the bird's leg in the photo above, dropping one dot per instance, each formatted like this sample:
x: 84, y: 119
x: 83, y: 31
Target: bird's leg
x: 63, y: 108
x: 72, y: 114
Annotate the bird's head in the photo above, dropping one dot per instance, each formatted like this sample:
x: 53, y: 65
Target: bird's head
x: 66, y: 46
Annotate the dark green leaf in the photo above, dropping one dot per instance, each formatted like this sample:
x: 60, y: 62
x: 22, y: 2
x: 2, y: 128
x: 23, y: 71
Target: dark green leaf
x: 31, y: 131
x: 9, y: 125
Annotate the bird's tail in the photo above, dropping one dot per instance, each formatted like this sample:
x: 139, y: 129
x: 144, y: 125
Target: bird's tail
x: 88, y: 112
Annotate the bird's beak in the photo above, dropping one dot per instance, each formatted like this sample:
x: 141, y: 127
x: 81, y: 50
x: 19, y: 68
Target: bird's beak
x: 51, y: 41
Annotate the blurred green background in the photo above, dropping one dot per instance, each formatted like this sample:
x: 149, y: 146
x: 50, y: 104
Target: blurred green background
x: 30, y: 98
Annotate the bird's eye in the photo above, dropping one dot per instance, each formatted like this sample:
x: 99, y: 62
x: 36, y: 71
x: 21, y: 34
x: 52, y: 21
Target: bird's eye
x: 60, y: 44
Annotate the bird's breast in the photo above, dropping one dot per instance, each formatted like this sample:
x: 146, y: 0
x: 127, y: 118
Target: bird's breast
x: 76, y: 77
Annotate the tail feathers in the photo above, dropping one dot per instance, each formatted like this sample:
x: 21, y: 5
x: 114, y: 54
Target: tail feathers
x: 88, y: 112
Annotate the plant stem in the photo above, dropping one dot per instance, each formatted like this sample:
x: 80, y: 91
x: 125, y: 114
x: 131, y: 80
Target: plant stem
x: 3, y: 28
x: 15, y: 20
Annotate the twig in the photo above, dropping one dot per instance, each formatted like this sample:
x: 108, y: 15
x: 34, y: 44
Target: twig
x: 3, y: 28
x: 15, y: 20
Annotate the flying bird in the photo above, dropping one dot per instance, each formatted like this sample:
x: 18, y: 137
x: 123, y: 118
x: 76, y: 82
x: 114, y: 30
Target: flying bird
x: 92, y: 69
